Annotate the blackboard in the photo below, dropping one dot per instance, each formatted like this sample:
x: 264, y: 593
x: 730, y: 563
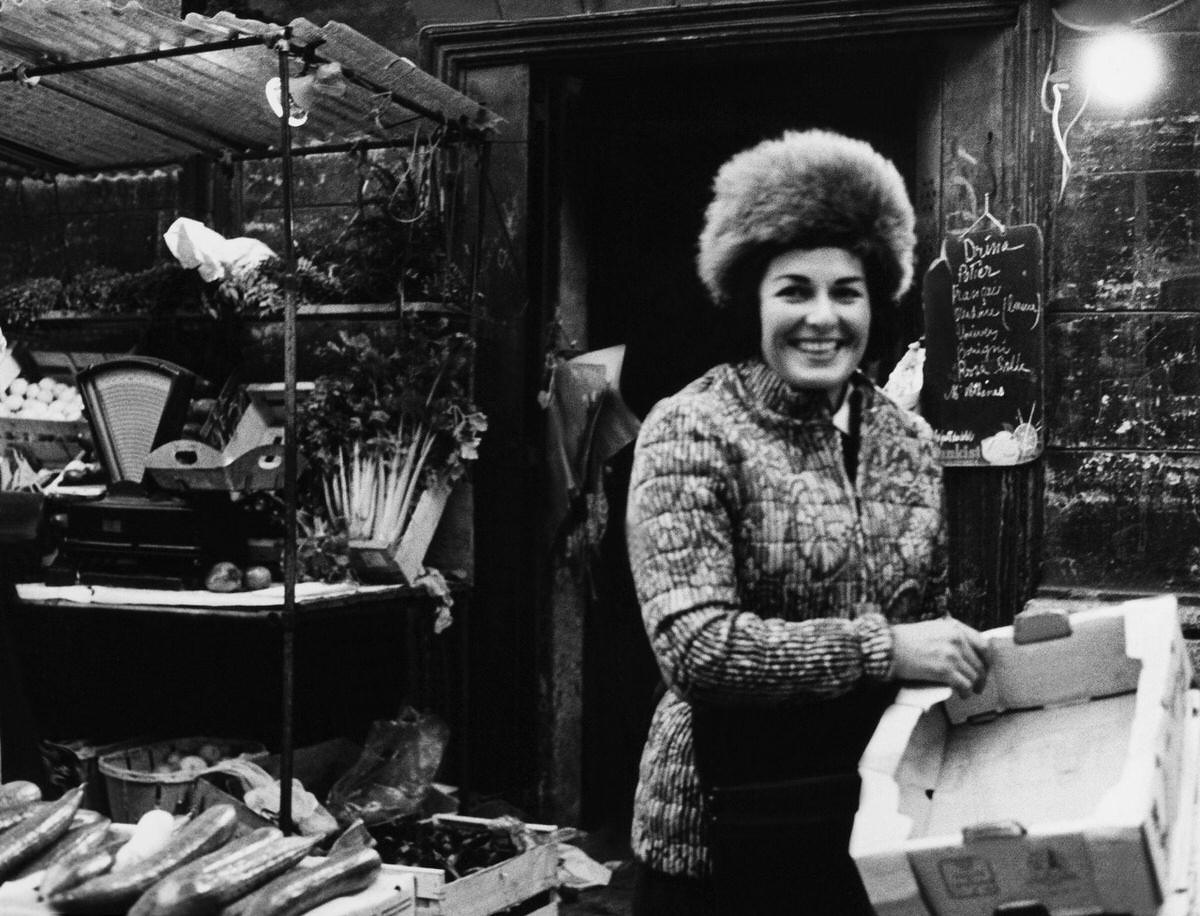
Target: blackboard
x: 982, y: 389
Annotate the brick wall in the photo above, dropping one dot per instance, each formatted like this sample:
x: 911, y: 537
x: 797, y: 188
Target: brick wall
x: 1123, y: 333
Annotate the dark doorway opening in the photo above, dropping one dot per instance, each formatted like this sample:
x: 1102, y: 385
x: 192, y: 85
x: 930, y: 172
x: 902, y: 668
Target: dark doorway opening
x: 632, y: 145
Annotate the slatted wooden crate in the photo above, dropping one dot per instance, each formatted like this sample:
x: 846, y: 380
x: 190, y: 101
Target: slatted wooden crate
x: 529, y: 879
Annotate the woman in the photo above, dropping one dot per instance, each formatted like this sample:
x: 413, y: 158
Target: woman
x: 787, y: 544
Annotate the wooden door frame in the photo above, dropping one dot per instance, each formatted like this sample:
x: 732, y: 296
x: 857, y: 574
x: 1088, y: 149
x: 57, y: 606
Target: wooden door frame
x: 457, y: 52
x: 449, y: 48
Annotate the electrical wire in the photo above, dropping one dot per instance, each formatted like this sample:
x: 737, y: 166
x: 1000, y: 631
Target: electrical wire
x: 1049, y: 68
x: 1054, y: 109
x: 1060, y: 134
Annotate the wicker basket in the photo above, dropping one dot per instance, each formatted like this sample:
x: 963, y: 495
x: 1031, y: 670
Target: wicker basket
x: 134, y: 788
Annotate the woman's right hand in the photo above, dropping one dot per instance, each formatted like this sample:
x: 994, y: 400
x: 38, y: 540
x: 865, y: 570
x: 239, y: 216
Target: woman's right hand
x: 942, y: 651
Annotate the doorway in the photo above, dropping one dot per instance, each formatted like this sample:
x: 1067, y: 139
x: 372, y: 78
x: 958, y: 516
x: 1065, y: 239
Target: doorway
x: 631, y: 144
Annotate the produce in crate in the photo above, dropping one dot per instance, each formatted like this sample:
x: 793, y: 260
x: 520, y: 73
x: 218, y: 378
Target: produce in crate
x: 115, y: 891
x: 163, y: 774
x: 150, y: 836
x: 11, y: 815
x: 76, y: 843
x: 46, y: 399
x: 301, y: 889
x: 456, y: 848
x: 74, y: 871
x: 204, y: 886
x: 40, y: 830
x: 197, y: 869
x: 19, y: 790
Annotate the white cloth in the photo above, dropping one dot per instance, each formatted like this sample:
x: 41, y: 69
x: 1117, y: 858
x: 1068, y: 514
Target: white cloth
x: 216, y: 257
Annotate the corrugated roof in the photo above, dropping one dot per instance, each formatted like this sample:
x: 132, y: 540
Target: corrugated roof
x: 161, y: 111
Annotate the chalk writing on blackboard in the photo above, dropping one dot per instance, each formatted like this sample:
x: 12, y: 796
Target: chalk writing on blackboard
x: 983, y: 339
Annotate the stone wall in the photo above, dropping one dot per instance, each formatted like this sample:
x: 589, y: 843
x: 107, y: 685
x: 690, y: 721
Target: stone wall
x: 1123, y: 333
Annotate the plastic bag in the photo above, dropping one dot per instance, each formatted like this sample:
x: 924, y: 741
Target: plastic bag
x: 395, y: 771
x: 904, y: 384
x: 216, y: 257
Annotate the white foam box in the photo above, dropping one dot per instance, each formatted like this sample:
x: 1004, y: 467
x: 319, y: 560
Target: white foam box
x: 1060, y: 784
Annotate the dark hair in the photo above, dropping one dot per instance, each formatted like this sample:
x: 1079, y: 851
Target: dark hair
x: 742, y: 324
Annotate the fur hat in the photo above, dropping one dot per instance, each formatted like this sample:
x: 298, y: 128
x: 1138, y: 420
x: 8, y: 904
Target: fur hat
x: 807, y: 189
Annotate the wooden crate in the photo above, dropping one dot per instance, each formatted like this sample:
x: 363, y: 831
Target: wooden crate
x: 492, y: 890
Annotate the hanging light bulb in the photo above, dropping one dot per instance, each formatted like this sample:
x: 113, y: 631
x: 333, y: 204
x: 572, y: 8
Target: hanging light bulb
x: 297, y: 114
x: 1120, y: 67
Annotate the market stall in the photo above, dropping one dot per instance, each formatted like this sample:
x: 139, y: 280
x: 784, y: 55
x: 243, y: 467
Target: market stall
x: 95, y: 86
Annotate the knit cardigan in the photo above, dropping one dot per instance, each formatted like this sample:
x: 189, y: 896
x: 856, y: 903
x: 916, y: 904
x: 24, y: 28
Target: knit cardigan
x: 765, y: 575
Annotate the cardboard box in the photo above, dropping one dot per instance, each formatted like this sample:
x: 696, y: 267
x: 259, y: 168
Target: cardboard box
x: 1059, y: 785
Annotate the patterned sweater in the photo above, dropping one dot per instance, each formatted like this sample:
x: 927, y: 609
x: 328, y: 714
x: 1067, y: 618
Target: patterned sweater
x: 765, y: 575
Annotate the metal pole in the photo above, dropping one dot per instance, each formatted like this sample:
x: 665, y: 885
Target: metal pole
x: 290, y: 451
x: 481, y: 179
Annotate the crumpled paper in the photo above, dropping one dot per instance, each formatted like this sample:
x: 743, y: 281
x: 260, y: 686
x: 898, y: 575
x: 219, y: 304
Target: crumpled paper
x: 579, y: 870
x: 904, y: 384
x: 216, y: 257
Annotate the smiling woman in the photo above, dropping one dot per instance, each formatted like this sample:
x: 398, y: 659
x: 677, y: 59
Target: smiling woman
x: 788, y: 576
x: 815, y: 315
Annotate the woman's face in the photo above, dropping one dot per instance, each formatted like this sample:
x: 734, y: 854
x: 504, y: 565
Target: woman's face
x: 815, y: 316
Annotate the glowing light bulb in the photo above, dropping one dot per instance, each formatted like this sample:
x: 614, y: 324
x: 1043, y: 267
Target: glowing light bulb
x: 1120, y: 67
x: 297, y: 116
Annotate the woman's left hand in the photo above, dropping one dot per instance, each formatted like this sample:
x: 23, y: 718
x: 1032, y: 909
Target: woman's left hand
x: 942, y: 651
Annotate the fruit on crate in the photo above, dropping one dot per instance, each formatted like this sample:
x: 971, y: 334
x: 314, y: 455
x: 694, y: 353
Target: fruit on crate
x: 114, y: 892
x: 222, y: 876
x: 301, y: 889
x: 76, y: 870
x: 223, y: 577
x: 192, y: 763
x: 256, y: 577
x: 27, y: 839
x: 11, y: 815
x: 85, y: 816
x: 76, y: 842
x: 150, y: 834
x: 210, y: 753
x: 19, y: 790
x: 46, y: 399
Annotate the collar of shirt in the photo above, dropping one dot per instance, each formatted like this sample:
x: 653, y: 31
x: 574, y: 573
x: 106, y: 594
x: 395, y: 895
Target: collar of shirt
x: 841, y: 417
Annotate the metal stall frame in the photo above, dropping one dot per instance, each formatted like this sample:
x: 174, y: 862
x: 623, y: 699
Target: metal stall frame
x: 282, y: 40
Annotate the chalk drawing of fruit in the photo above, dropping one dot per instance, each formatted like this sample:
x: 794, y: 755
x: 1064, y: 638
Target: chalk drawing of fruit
x: 1028, y: 436
x: 1001, y: 448
x: 1013, y: 446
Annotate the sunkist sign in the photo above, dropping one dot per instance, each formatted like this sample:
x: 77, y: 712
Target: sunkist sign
x: 982, y: 390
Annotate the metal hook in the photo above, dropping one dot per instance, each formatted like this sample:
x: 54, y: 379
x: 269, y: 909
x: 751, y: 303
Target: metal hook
x: 987, y: 214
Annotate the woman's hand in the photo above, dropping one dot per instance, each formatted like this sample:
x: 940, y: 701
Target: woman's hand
x: 943, y: 651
